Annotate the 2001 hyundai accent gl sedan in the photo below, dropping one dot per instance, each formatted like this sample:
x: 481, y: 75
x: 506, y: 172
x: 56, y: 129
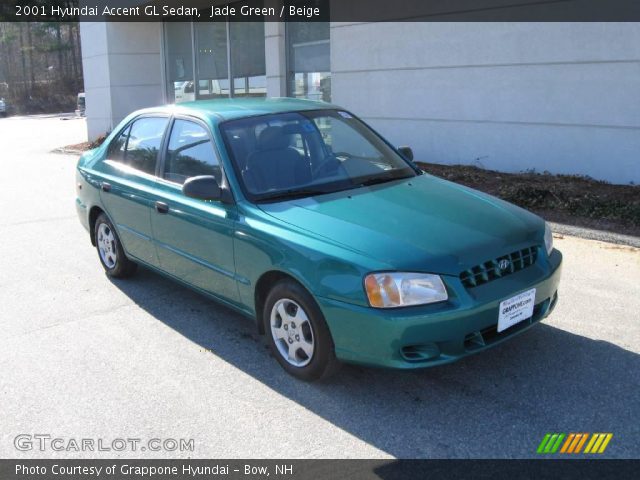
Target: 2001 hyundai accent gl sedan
x: 299, y: 215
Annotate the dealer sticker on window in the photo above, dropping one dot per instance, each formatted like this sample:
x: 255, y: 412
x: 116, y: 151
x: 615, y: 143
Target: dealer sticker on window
x: 516, y: 309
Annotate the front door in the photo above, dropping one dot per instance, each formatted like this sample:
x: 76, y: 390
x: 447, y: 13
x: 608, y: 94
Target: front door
x: 194, y: 238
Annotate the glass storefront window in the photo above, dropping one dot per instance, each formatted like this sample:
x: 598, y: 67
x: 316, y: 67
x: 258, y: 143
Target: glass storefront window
x: 247, y: 59
x: 229, y: 59
x: 179, y: 62
x: 309, y: 71
x: 206, y: 60
x: 212, y: 60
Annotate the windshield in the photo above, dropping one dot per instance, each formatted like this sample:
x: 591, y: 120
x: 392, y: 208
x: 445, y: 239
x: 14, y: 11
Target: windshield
x: 307, y: 153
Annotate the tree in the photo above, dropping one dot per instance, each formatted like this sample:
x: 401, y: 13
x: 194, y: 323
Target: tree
x: 40, y: 65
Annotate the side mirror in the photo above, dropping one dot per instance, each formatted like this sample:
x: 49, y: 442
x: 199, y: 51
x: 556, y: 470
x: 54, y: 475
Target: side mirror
x: 203, y: 187
x: 406, y: 152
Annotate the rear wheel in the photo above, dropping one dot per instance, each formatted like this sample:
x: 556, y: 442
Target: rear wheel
x: 110, y: 252
x: 297, y: 332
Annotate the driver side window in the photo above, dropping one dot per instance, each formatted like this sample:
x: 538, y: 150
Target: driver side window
x: 118, y: 146
x: 190, y: 153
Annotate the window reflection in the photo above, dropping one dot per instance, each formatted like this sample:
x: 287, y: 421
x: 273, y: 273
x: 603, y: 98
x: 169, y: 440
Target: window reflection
x: 247, y: 59
x: 138, y: 145
x: 190, y: 153
x: 230, y: 60
x: 212, y: 60
x: 309, y: 74
x: 179, y: 62
x: 214, y: 43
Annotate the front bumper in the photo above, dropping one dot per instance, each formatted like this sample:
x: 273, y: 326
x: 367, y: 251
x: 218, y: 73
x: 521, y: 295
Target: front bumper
x: 424, y: 336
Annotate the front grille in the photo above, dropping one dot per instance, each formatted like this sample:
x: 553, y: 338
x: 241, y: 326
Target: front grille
x: 490, y: 270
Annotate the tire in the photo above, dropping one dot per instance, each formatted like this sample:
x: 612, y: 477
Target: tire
x: 110, y: 252
x: 293, y: 319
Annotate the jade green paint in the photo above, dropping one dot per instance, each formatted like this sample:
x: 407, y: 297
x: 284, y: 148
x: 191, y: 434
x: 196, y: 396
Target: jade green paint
x: 328, y: 243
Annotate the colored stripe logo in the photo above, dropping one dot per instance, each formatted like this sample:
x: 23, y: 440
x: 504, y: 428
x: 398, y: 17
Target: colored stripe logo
x: 574, y: 443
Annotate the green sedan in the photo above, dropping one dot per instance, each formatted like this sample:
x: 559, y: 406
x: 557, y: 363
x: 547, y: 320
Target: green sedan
x: 302, y: 217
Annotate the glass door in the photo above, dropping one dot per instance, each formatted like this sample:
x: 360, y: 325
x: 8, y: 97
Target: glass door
x: 178, y: 54
x: 212, y: 60
x: 205, y: 60
x: 247, y: 59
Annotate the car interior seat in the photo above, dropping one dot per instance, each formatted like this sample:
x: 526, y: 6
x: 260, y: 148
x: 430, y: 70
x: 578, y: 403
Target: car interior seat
x: 275, y: 164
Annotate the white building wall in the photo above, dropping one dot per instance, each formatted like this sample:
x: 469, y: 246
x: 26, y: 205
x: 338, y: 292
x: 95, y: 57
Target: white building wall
x: 95, y: 66
x: 122, y: 65
x: 275, y: 59
x: 562, y: 97
x: 275, y: 55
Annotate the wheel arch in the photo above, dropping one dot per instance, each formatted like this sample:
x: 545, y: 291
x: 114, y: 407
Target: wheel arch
x: 94, y: 212
x: 262, y: 288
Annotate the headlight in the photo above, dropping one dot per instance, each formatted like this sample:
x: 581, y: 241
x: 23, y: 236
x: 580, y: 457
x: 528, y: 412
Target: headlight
x: 548, y: 238
x: 400, y: 289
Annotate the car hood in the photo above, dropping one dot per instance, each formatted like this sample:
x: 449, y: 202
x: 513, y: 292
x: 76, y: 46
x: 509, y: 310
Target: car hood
x: 418, y: 224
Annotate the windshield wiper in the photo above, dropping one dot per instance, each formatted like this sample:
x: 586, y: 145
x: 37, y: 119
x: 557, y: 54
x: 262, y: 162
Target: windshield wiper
x: 378, y: 180
x: 291, y: 194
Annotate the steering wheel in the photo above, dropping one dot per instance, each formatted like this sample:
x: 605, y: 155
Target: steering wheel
x: 329, y: 164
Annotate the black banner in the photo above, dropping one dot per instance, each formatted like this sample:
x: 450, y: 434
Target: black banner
x: 322, y: 10
x: 317, y: 469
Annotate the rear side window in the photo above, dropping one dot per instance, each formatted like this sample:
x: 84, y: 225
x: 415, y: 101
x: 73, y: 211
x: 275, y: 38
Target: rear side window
x: 190, y: 153
x: 145, y: 137
x: 118, y: 146
x: 138, y: 145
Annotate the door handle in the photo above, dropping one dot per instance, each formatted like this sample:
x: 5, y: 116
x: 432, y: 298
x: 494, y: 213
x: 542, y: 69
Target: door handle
x: 106, y: 187
x: 162, y: 207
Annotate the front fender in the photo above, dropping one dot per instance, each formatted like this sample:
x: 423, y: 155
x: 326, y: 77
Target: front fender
x: 263, y: 244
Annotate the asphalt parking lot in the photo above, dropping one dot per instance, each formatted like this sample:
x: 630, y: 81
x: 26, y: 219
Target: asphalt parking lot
x: 85, y: 357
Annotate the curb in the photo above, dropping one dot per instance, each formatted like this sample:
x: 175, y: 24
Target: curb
x: 67, y: 151
x: 590, y: 234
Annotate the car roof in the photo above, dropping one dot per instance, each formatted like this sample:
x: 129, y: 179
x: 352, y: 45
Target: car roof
x: 219, y: 110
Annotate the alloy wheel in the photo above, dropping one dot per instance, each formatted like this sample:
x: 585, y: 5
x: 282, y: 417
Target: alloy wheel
x: 107, y: 246
x: 292, y: 332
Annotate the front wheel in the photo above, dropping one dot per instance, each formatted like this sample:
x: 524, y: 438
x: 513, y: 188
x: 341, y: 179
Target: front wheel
x: 298, y: 334
x: 110, y: 252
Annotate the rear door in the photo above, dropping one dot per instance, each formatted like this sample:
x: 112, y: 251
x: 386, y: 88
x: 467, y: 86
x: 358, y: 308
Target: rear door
x: 194, y: 238
x: 129, y: 179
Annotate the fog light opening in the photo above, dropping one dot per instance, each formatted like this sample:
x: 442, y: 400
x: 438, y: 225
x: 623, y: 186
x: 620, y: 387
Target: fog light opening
x: 420, y: 353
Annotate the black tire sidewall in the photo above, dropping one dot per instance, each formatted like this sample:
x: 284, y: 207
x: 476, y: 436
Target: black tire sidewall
x: 324, y: 351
